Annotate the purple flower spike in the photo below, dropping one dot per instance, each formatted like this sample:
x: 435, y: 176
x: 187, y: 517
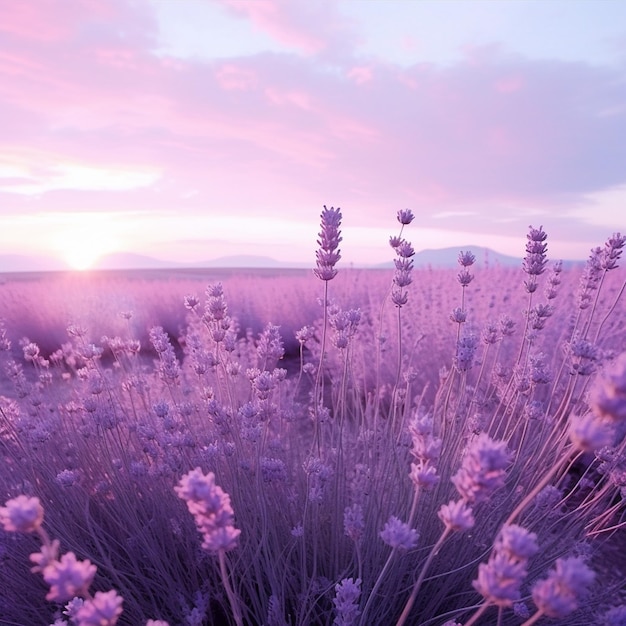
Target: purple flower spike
x: 329, y: 237
x: 405, y: 216
x: 535, y: 260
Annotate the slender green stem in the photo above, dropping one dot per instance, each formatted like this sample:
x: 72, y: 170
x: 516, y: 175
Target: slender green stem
x: 477, y: 615
x: 319, y: 380
x: 418, y: 583
x: 376, y: 587
x: 230, y: 593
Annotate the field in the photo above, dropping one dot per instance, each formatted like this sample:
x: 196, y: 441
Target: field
x: 266, y: 447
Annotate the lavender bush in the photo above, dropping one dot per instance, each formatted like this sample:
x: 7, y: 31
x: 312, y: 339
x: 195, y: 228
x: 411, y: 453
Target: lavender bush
x: 423, y: 447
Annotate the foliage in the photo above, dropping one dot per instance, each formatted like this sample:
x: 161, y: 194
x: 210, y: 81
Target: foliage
x: 421, y: 446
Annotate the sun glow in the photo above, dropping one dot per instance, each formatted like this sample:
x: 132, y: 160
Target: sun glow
x: 80, y: 255
x: 84, y: 239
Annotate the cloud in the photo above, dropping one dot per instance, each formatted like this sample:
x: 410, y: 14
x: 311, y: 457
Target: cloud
x: 85, y: 97
x: 311, y: 28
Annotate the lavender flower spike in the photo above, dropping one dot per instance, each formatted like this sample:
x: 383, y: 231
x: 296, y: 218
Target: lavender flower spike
x: 483, y: 469
x: 535, y: 260
x: 101, y: 610
x: 405, y: 216
x: 560, y: 593
x: 329, y: 237
x: 211, y: 508
x: 21, y: 514
x: 346, y: 602
x: 398, y: 534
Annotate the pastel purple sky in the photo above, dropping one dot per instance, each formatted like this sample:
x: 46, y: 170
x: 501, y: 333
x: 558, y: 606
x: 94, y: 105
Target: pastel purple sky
x: 192, y: 129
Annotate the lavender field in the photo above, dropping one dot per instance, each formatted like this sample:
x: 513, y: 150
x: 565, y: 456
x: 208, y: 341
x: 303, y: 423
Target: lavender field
x: 340, y: 446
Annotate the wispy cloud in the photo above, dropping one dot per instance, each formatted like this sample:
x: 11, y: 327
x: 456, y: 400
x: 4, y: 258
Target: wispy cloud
x: 97, y: 117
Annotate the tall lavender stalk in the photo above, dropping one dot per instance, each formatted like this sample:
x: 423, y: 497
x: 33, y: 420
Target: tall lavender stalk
x: 534, y: 265
x: 399, y: 295
x: 327, y: 256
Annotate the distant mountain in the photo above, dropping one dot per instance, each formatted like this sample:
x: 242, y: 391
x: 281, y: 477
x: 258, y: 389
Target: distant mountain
x: 448, y: 257
x: 128, y: 260
x: 138, y: 261
x: 248, y: 260
x: 436, y: 258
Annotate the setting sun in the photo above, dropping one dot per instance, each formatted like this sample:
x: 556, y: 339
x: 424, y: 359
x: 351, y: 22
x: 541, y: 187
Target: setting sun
x: 84, y: 238
x: 81, y: 255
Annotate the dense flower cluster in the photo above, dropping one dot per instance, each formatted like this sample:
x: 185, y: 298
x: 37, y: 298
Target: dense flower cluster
x: 403, y: 262
x: 567, y: 584
x: 211, y: 509
x: 499, y: 580
x: 384, y: 467
x: 483, y: 469
x: 22, y: 514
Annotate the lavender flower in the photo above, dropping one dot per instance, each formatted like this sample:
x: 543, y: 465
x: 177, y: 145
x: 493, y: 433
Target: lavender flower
x: 507, y: 326
x: 48, y: 555
x: 499, y: 580
x: 465, y: 352
x: 402, y: 276
x: 405, y: 216
x: 353, y: 522
x: 22, y: 514
x: 584, y: 355
x: 589, y: 433
x: 215, y: 308
x: 560, y: 593
x: 612, y: 251
x: 275, y: 616
x: 539, y: 314
x: 103, y: 609
x: 458, y: 315
x: 483, y: 469
x: 346, y: 602
x: 516, y: 543
x: 305, y: 334
x: 466, y: 259
x: 554, y: 280
x: 398, y: 534
x: 456, y: 516
x: 608, y: 394
x: 425, y: 446
x: 72, y: 607
x: 489, y: 333
x: 329, y: 237
x: 211, y: 508
x: 535, y: 260
x: 591, y: 275
x: 68, y: 578
x: 424, y: 475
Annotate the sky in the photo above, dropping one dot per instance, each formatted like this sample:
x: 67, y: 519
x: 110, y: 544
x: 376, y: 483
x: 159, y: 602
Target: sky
x: 193, y: 129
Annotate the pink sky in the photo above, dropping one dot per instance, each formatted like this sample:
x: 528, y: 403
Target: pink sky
x: 193, y: 129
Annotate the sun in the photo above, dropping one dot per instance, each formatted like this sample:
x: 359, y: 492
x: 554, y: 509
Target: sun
x: 80, y: 256
x: 84, y: 240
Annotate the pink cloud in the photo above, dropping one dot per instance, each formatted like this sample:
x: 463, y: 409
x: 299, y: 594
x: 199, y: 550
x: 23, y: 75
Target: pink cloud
x: 284, y: 133
x: 361, y: 74
x: 311, y: 27
x: 233, y: 76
